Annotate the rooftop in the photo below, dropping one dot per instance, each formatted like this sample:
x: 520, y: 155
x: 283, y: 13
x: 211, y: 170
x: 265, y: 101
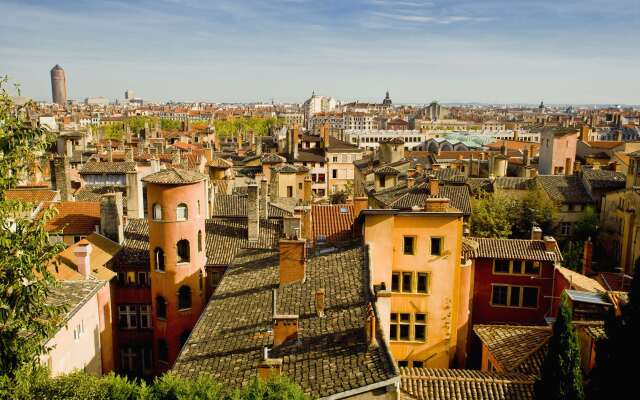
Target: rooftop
x: 332, y: 222
x: 30, y: 195
x: 564, y: 189
x: 330, y: 356
x: 108, y: 167
x: 520, y: 249
x: 74, y: 217
x: 174, y: 176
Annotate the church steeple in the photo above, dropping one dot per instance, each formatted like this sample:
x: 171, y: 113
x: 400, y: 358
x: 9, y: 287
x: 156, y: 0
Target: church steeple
x: 387, y: 100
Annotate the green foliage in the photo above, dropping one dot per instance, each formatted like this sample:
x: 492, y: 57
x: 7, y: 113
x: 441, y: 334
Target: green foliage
x: 26, y: 321
x: 534, y: 209
x: 613, y: 376
x: 572, y: 254
x: 36, y: 384
x: 341, y: 196
x: 561, y: 377
x: 587, y: 225
x: 260, y: 126
x: 490, y: 217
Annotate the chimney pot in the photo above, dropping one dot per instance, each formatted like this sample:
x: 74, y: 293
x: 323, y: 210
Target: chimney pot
x: 285, y: 327
x: 269, y: 367
x: 320, y: 302
x: 293, y: 261
x: 536, y: 233
x: 82, y: 253
x: 410, y: 182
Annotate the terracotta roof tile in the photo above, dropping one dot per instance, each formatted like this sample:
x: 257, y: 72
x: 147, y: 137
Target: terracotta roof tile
x: 106, y: 167
x: 74, y: 217
x: 520, y: 249
x: 332, y: 222
x: 31, y: 195
x: 174, y: 176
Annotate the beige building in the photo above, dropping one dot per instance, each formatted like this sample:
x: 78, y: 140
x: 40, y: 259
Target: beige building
x: 340, y: 157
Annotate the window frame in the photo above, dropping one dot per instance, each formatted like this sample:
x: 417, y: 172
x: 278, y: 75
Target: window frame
x: 413, y: 245
x: 155, y: 208
x: 509, y: 300
x: 182, y: 212
x: 440, y: 246
x: 185, y: 290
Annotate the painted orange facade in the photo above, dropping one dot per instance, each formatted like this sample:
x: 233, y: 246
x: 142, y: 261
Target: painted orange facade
x: 424, y: 306
x: 178, y: 257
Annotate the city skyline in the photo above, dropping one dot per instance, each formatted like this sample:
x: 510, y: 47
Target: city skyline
x: 459, y: 51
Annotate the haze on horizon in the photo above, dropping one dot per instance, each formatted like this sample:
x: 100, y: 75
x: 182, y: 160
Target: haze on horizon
x: 493, y: 51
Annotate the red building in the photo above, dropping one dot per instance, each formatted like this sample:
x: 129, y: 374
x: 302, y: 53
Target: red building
x: 513, y: 280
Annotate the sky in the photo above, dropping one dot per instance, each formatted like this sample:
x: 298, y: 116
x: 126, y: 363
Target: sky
x: 491, y: 51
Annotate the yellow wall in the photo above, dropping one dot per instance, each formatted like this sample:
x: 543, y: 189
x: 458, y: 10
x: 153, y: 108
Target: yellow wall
x: 384, y: 234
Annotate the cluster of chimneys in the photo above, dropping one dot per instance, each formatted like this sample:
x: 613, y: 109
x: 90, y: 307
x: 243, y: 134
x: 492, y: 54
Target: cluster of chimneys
x: 257, y: 207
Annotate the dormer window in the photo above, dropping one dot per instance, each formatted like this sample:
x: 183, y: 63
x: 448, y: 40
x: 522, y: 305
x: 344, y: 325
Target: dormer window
x: 182, y: 212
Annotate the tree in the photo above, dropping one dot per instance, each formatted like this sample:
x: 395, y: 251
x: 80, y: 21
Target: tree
x: 613, y: 376
x: 587, y: 225
x: 572, y: 255
x: 490, y: 217
x: 561, y: 377
x: 535, y: 208
x: 26, y: 320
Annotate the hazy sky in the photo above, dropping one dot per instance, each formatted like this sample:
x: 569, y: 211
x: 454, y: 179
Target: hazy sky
x: 559, y: 51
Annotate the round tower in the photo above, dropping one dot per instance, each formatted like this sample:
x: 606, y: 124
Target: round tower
x: 177, y: 202
x: 58, y: 85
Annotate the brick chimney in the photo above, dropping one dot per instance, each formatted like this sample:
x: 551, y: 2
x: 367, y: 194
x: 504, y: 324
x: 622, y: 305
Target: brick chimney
x: 292, y: 227
x: 264, y: 198
x: 82, y: 253
x: 111, y: 217
x: 536, y: 233
x: 60, y: 180
x: 253, y: 217
x: 359, y: 204
x: 258, y: 146
x: 587, y: 255
x: 436, y: 204
x: 320, y: 302
x: 370, y: 326
x: 307, y: 194
x: 550, y: 244
x: 293, y: 260
x: 269, y: 367
x: 411, y: 181
x: 568, y: 170
x: 285, y: 327
x: 419, y: 168
x: 324, y: 132
x: 434, y: 186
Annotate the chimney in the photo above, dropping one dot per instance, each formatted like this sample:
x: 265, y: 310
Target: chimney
x: 253, y: 218
x: 129, y: 154
x: 60, y: 177
x: 82, y: 253
x: 291, y: 226
x: 285, y: 327
x: 293, y: 260
x: 307, y: 195
x: 155, y: 164
x: 434, y: 186
x: 411, y: 172
x: 320, y: 302
x: 526, y: 157
x: 326, y: 137
x: 568, y: 170
x: 536, y: 233
x: 111, y: 223
x: 550, y: 244
x: 259, y: 146
x: 587, y: 255
x: 410, y: 182
x: 264, y: 198
x: 68, y: 148
x: 110, y: 153
x: 370, y: 326
x: 176, y: 158
x: 436, y: 205
x: 359, y: 204
x: 419, y: 168
x: 269, y: 367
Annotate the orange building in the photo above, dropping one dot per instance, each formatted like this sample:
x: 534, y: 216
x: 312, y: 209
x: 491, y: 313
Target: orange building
x: 177, y: 212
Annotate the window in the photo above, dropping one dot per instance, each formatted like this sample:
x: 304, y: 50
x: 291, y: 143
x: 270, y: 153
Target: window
x: 199, y: 241
x: 334, y: 173
x: 408, y: 245
x: 289, y: 191
x: 182, y: 214
x: 514, y: 296
x: 127, y: 317
x: 423, y: 282
x: 436, y: 246
x: 184, y: 298
x: 403, y: 364
x: 159, y: 258
x: 128, y: 359
x: 145, y: 316
x: 184, y: 336
x: 501, y: 266
x: 420, y: 327
x: 163, y: 351
x: 405, y: 325
x: 565, y: 228
x: 161, y: 307
x: 143, y: 278
x: 395, y: 282
x: 157, y: 211
x: 183, y: 251
x: 407, y: 280
x: 531, y: 267
x: 418, y: 364
x: 383, y: 182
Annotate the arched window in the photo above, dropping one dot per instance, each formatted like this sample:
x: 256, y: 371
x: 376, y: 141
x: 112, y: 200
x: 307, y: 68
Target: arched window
x: 163, y: 350
x: 183, y: 250
x: 157, y: 211
x: 199, y: 241
x: 184, y: 336
x: 159, y: 259
x: 182, y: 214
x: 184, y: 297
x: 161, y: 307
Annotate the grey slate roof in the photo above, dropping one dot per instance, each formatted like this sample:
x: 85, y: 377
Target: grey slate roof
x: 520, y: 249
x: 135, y: 247
x: 405, y: 198
x: 331, y: 355
x: 234, y: 205
x: 564, y: 189
x: 603, y: 179
x: 513, y: 183
x: 109, y: 167
x: 464, y: 384
x: 73, y: 294
x: 95, y: 192
x: 174, y: 176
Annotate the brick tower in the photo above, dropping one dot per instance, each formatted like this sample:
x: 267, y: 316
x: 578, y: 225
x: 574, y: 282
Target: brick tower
x: 177, y: 202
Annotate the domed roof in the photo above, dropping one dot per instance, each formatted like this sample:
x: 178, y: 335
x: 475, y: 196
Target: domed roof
x: 174, y: 176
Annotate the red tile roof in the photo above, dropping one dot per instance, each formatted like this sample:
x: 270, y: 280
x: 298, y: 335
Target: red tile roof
x: 333, y: 222
x: 74, y: 217
x: 30, y: 195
